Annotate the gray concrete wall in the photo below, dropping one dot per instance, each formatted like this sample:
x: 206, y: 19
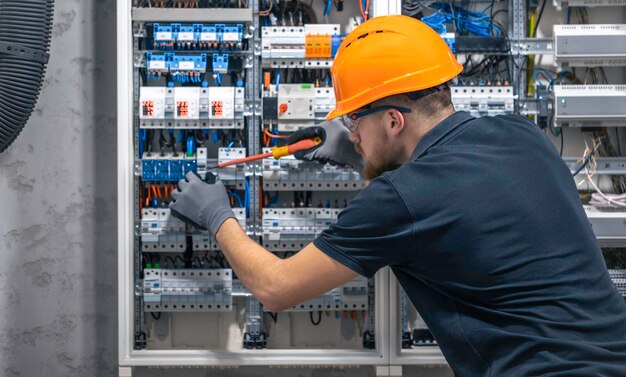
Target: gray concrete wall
x: 58, y: 234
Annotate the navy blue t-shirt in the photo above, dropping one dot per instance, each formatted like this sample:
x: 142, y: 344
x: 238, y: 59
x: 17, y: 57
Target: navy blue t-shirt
x: 484, y: 229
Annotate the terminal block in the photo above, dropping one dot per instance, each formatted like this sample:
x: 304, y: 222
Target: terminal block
x: 483, y: 100
x: 352, y: 296
x: 161, y: 232
x: 166, y: 166
x: 191, y: 107
x: 288, y: 173
x: 197, y: 36
x: 289, y: 229
x: 203, y: 241
x: 176, y: 290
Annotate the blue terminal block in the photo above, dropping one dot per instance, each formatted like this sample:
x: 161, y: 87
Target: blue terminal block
x: 220, y: 63
x: 157, y: 62
x: 177, y: 170
x: 191, y: 165
x: 162, y: 170
x: 208, y: 37
x: 186, y: 36
x: 162, y: 36
x: 196, y: 62
x: 167, y: 169
x: 148, y: 170
x: 232, y: 35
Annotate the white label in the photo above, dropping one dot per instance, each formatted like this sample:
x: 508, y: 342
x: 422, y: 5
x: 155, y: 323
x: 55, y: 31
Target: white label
x: 164, y: 36
x: 208, y: 36
x: 157, y: 64
x: 230, y: 37
x: 186, y: 65
x: 185, y: 36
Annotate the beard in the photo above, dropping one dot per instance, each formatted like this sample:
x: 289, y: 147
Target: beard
x: 379, y: 162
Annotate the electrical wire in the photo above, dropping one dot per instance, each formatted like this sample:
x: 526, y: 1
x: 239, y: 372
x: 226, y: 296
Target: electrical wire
x: 319, y: 318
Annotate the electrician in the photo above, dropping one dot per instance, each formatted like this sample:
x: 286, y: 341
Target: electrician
x: 479, y: 219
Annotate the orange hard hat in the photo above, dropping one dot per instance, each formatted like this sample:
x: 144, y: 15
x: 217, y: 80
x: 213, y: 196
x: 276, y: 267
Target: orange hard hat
x: 389, y: 55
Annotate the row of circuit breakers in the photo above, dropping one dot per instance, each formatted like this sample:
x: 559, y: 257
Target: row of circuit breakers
x: 298, y: 105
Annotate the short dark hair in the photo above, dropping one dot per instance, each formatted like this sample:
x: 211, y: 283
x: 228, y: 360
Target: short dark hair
x: 427, y: 102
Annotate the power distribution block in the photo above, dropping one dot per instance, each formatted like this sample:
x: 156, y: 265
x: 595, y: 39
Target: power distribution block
x: 162, y: 232
x: 352, y: 296
x: 197, y: 36
x: 590, y: 45
x: 203, y: 241
x: 191, y: 107
x: 289, y: 229
x: 175, y: 290
x: 289, y: 173
x: 166, y: 166
x: 483, y: 100
x: 590, y: 105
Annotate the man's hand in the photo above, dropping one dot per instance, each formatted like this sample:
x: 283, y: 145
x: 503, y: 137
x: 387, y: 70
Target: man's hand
x: 203, y: 205
x: 336, y: 146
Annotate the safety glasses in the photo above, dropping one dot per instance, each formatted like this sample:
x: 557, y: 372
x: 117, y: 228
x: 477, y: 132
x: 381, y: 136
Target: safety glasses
x: 351, y: 121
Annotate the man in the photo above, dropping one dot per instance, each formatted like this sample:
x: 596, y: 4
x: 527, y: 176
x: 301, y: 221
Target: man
x: 478, y: 218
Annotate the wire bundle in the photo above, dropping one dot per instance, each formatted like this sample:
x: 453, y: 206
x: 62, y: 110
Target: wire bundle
x: 465, y: 21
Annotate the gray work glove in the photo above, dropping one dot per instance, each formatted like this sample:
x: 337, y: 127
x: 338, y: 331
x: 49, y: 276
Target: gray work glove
x: 201, y: 204
x: 336, y: 147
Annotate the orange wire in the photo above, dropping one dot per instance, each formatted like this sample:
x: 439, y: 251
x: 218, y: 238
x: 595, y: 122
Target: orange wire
x: 274, y: 136
x: 148, y: 197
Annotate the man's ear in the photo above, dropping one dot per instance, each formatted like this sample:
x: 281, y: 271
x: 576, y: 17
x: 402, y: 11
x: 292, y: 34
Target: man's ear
x: 395, y: 122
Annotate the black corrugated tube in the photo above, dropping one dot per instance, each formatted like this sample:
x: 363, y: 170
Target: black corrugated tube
x: 24, y: 25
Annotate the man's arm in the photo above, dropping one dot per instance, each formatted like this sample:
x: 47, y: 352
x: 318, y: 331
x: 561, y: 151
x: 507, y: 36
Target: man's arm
x: 280, y: 283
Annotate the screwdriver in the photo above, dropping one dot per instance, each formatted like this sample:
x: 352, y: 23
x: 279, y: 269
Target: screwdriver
x: 277, y: 152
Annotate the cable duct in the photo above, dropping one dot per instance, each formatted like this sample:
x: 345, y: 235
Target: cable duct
x: 25, y: 30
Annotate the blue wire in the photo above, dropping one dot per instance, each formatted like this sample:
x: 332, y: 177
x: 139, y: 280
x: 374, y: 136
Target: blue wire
x: 548, y: 74
x: 247, y: 197
x: 277, y: 79
x: 230, y: 145
x: 475, y: 23
x: 236, y: 196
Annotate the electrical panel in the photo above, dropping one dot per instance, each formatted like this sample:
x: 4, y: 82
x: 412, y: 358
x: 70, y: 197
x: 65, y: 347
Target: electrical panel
x: 206, y: 82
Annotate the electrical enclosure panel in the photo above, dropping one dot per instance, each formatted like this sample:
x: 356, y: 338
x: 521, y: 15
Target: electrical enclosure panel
x: 483, y: 100
x: 590, y: 45
x: 590, y: 105
x: 175, y: 290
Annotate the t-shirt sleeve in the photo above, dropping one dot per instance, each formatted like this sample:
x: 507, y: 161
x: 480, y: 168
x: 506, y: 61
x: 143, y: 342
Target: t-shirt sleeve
x: 374, y: 231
